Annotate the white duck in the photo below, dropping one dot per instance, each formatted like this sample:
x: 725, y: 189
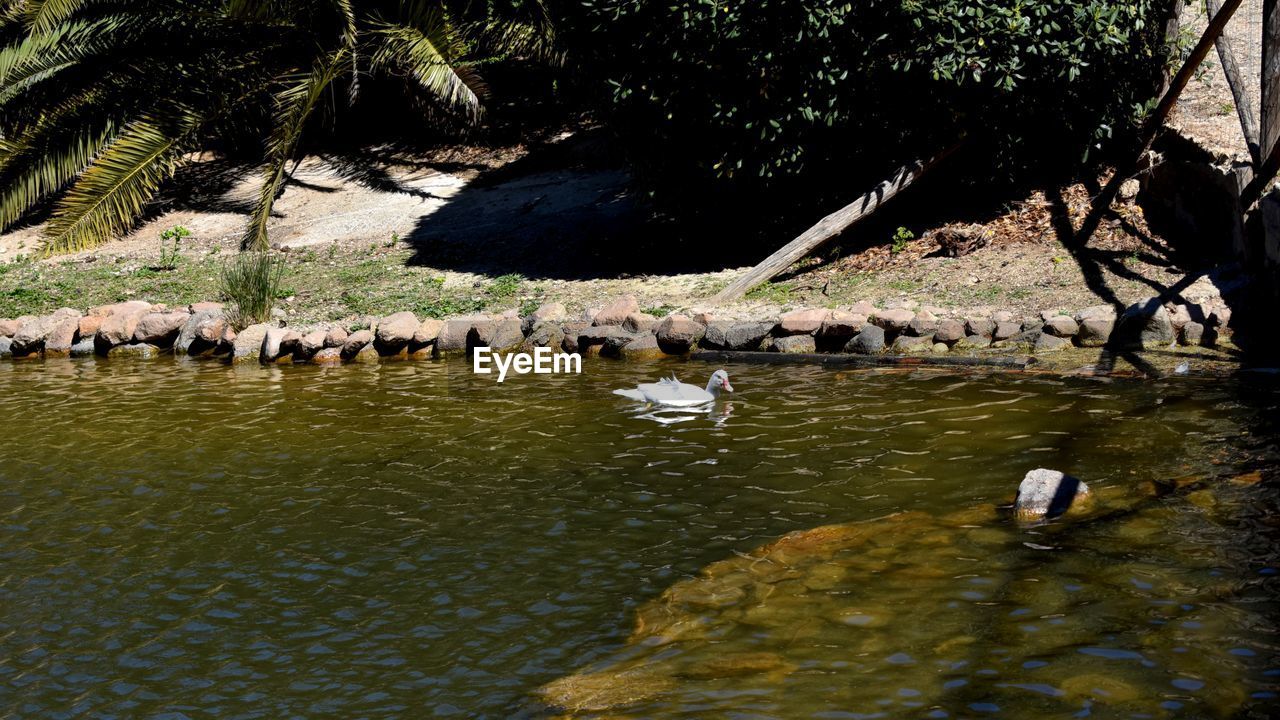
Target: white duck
x: 670, y: 392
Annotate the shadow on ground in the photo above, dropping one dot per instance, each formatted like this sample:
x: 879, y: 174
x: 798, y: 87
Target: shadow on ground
x: 566, y: 211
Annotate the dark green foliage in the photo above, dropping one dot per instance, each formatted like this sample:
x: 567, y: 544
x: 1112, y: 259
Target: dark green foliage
x: 758, y: 96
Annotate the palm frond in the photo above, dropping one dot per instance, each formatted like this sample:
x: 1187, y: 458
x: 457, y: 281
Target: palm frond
x: 48, y: 173
x: 430, y: 54
x: 529, y: 32
x: 294, y: 106
x: 40, y: 55
x: 42, y: 15
x: 110, y: 195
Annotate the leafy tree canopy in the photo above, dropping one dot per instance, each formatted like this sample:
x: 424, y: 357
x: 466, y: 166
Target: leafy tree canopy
x: 771, y: 95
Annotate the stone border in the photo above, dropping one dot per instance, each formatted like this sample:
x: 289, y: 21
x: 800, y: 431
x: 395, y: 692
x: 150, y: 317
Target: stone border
x: 140, y: 329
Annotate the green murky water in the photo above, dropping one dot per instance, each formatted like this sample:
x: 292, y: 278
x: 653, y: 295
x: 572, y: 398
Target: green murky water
x: 407, y: 540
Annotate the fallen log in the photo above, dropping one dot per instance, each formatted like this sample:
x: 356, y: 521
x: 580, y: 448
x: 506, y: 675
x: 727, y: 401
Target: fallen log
x: 830, y: 226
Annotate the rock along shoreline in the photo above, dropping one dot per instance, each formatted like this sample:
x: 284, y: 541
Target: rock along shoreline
x: 140, y: 329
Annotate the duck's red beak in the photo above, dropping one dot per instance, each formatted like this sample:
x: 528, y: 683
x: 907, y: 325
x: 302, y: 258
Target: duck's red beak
x: 725, y: 384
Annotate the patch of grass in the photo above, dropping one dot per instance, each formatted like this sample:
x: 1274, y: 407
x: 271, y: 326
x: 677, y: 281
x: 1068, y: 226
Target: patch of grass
x: 659, y: 310
x: 780, y: 293
x: 23, y: 301
x: 506, y: 286
x: 251, y: 281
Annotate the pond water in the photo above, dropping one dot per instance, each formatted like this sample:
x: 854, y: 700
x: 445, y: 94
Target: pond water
x: 409, y: 540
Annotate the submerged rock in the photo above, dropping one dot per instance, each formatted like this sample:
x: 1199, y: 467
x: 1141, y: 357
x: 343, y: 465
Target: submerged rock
x: 1047, y: 494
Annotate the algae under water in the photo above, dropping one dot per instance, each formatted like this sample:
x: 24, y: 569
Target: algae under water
x: 409, y: 540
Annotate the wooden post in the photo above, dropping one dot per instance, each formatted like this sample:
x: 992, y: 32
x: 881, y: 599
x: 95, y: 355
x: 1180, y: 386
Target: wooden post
x: 1239, y: 90
x: 827, y: 228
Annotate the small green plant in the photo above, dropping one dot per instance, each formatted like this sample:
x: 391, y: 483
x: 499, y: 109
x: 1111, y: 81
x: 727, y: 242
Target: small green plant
x: 529, y: 305
x: 251, y: 282
x: 395, y: 239
x: 660, y: 310
x: 901, y: 237
x: 170, y: 247
x: 778, y: 293
x: 333, y: 250
x: 505, y: 286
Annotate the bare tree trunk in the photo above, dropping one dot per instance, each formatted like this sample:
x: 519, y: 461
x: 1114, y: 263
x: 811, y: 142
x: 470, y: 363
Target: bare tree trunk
x: 828, y: 227
x: 1239, y: 91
